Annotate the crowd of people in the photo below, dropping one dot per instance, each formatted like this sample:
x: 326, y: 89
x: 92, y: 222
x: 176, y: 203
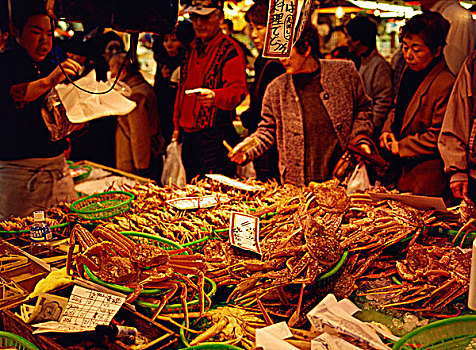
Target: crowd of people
x: 303, y: 112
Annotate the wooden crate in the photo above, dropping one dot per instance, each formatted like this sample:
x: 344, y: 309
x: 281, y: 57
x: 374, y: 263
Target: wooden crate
x: 152, y: 335
x: 24, y: 273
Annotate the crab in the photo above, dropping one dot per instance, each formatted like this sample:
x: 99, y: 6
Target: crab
x: 117, y: 259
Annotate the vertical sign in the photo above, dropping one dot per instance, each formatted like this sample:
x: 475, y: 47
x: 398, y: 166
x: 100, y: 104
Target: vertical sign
x: 280, y: 30
x: 244, y: 232
x: 302, y: 21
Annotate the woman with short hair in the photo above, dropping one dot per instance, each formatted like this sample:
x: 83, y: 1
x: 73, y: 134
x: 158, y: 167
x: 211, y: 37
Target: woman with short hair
x: 311, y: 112
x: 413, y: 126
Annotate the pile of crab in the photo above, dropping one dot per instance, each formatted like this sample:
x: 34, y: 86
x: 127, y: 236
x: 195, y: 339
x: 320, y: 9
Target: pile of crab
x: 118, y: 260
x: 150, y: 212
x: 428, y: 280
x: 309, y: 234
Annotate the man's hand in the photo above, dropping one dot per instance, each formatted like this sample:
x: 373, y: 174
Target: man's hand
x: 175, y: 135
x: 71, y: 68
x: 460, y: 189
x: 206, y: 97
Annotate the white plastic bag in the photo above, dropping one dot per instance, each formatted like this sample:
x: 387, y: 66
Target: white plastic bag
x: 82, y: 106
x: 359, y: 180
x: 173, y: 172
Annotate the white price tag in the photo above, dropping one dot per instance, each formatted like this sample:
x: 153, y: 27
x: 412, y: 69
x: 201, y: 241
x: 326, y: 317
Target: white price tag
x: 244, y: 232
x: 86, y: 308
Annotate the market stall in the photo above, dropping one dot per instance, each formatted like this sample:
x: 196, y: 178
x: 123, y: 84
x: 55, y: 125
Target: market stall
x: 242, y: 264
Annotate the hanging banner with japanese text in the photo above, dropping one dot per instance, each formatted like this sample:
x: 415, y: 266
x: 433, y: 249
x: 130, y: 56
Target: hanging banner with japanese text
x: 304, y: 10
x: 280, y: 30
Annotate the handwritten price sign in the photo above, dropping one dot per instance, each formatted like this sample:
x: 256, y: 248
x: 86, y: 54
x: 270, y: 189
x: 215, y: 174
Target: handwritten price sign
x: 280, y: 30
x: 244, y: 232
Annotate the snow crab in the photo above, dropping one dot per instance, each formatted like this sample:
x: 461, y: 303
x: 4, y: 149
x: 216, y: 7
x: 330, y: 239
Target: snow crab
x: 432, y: 278
x: 114, y: 258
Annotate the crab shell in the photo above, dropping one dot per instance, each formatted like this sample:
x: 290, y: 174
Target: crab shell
x: 148, y: 255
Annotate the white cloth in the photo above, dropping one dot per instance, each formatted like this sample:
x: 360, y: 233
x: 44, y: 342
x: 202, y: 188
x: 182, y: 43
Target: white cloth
x: 461, y: 39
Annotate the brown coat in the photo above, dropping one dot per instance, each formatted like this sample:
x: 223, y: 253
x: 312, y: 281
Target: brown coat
x: 422, y: 165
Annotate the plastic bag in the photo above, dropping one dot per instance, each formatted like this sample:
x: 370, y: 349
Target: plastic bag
x: 54, y: 116
x: 359, y: 180
x: 82, y: 106
x: 173, y: 172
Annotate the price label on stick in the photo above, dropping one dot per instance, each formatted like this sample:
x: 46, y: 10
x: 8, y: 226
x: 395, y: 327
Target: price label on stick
x: 280, y: 29
x: 244, y: 232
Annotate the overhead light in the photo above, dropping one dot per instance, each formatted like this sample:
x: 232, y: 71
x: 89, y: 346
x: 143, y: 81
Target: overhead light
x: 396, y: 10
x: 377, y: 12
x: 335, y: 6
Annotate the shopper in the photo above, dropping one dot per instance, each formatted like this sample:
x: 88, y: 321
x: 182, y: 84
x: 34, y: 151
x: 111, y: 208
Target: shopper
x: 457, y: 141
x: 216, y: 67
x: 33, y: 170
x: 412, y: 129
x: 311, y: 113
x: 139, y: 144
x: 375, y: 71
x: 461, y: 39
x: 169, y: 54
x: 266, y: 70
x: 4, y: 31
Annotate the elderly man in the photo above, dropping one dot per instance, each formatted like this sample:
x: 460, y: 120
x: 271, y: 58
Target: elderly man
x: 212, y: 84
x: 461, y: 39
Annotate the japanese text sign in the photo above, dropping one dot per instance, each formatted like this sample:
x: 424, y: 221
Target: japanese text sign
x: 86, y: 308
x: 244, y: 232
x: 280, y: 30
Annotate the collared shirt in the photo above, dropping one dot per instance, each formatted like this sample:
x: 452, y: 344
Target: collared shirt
x: 220, y: 66
x: 461, y: 39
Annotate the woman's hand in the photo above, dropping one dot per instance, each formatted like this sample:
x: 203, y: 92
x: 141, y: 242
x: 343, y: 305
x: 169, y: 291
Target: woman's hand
x: 460, y: 189
x: 238, y: 158
x: 236, y: 154
x: 386, y: 139
x: 71, y: 68
x: 394, y: 148
x: 206, y: 97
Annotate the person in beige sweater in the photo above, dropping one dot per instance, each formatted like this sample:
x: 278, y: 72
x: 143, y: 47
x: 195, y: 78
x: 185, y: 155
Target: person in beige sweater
x: 139, y: 143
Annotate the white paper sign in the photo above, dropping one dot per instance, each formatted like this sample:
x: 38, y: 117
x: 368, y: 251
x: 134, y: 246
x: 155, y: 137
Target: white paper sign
x: 271, y: 337
x: 338, y: 315
x: 328, y: 342
x: 418, y: 202
x: 185, y: 203
x: 86, y: 309
x: 233, y: 183
x: 244, y: 232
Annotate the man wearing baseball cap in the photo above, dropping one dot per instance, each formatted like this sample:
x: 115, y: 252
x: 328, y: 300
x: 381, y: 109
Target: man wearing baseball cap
x: 212, y: 84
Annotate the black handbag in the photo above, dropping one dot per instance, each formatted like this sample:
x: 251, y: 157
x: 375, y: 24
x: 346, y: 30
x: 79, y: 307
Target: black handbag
x: 375, y: 164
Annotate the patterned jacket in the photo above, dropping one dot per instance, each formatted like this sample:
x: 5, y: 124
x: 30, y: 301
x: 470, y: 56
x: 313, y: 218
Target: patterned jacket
x: 219, y: 66
x: 344, y: 99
